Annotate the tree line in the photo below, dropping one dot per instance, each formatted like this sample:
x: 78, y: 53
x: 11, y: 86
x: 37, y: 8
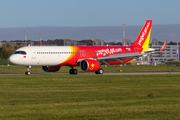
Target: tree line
x: 60, y: 42
x: 7, y: 49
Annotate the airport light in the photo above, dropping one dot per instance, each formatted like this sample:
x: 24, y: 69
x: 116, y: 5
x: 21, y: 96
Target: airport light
x: 123, y: 42
x: 40, y: 39
x: 177, y: 50
x: 25, y: 38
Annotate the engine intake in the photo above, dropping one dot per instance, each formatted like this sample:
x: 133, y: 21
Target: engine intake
x: 51, y: 68
x: 89, y: 65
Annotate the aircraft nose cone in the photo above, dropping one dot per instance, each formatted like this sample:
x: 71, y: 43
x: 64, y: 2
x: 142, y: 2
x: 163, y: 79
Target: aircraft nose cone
x: 12, y: 60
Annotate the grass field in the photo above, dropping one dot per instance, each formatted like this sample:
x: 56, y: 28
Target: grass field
x: 13, y: 69
x: 109, y: 69
x: 111, y: 97
x: 4, y: 62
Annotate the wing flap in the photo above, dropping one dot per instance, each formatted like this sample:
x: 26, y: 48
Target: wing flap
x: 119, y: 57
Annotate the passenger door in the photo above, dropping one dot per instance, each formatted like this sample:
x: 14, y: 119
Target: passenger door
x: 33, y: 53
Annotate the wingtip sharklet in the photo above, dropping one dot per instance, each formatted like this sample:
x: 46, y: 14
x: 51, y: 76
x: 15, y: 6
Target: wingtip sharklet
x: 162, y: 49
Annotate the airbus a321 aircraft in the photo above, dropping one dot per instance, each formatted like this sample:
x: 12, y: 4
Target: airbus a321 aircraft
x: 89, y: 58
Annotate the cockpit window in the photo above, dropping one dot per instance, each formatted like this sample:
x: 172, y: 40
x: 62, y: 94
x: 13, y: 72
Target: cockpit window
x: 20, y: 52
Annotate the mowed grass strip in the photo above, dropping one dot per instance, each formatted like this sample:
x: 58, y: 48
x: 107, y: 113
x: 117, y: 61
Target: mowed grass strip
x: 89, y: 97
x: 109, y: 69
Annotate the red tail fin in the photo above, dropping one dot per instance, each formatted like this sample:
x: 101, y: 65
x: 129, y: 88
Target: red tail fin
x: 144, y: 36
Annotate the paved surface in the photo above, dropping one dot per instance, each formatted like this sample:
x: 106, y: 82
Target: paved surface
x: 137, y: 73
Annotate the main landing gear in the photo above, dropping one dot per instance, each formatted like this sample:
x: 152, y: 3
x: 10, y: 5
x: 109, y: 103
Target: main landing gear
x: 99, y: 71
x: 73, y: 71
x: 28, y: 70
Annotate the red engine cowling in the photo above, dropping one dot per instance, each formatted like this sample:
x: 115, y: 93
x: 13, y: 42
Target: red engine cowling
x: 51, y: 68
x: 89, y: 65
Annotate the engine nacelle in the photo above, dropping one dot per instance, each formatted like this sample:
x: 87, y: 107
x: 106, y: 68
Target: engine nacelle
x: 89, y: 65
x: 51, y: 68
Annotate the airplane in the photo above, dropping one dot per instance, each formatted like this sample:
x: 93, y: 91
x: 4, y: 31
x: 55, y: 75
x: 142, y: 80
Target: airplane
x: 88, y: 58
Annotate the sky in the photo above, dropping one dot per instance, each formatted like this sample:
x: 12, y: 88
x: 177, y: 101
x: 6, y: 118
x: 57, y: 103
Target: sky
x: 81, y: 13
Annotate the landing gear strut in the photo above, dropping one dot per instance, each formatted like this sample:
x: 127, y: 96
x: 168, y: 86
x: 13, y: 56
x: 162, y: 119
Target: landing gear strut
x: 28, y: 70
x: 73, y: 71
x: 99, y: 71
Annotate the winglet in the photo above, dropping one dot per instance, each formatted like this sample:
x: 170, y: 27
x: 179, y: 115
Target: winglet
x: 162, y: 49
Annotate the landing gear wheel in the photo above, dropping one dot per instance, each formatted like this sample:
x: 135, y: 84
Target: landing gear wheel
x: 28, y: 71
x: 73, y: 71
x: 70, y: 71
x: 99, y: 71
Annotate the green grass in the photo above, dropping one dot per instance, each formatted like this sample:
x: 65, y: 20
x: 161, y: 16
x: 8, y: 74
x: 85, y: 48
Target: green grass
x: 12, y: 69
x: 4, y: 62
x: 109, y: 69
x: 86, y: 97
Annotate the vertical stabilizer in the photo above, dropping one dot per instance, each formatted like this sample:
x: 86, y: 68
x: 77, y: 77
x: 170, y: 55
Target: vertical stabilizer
x: 143, y: 38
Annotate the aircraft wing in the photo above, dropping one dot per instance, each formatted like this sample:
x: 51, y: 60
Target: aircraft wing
x: 119, y: 57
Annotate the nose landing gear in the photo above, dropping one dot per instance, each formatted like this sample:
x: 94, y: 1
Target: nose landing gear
x: 28, y: 70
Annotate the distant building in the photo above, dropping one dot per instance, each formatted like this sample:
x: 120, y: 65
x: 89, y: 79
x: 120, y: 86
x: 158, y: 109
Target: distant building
x: 169, y: 54
x: 69, y: 42
x: 13, y: 43
x: 127, y: 42
x: 65, y: 42
x: 98, y: 42
x: 155, y: 41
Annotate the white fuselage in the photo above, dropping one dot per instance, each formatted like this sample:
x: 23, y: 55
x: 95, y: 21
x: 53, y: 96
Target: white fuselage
x: 40, y: 56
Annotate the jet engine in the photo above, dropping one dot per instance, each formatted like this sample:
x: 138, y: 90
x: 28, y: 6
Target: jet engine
x: 89, y: 65
x: 51, y: 68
